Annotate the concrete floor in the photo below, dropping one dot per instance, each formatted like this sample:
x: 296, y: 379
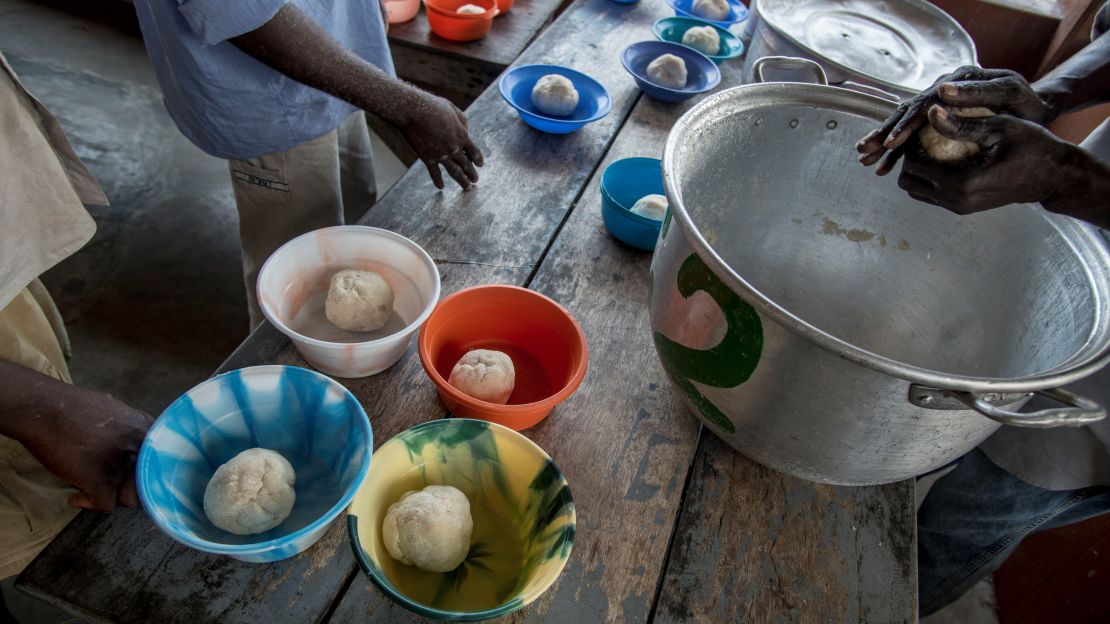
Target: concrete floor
x: 155, y: 301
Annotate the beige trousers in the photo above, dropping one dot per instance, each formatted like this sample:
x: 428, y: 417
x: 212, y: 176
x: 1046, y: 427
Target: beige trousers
x: 33, y: 502
x: 324, y: 182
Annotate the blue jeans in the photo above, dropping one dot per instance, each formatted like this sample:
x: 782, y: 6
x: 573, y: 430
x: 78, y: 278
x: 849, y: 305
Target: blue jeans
x: 976, y: 515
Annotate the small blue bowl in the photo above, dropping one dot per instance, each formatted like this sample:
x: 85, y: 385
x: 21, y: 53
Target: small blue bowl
x: 673, y: 28
x: 701, y: 73
x: 622, y: 185
x: 314, y: 422
x: 593, y: 100
x: 737, y: 12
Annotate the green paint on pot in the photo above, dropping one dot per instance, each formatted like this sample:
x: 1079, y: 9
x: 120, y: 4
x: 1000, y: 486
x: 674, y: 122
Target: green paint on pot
x: 726, y: 365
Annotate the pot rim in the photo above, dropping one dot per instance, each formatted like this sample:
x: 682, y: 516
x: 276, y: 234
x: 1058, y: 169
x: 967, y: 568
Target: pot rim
x: 1076, y: 233
x: 901, y: 90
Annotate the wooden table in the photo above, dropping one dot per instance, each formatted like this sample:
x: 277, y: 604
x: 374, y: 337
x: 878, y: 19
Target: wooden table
x: 462, y: 71
x: 672, y: 525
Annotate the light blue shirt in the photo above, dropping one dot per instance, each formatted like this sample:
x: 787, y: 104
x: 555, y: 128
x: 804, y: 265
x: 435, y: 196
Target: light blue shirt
x: 231, y: 105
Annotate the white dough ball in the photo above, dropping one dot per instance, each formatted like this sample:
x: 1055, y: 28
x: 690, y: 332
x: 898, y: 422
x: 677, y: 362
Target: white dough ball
x: 429, y: 529
x: 945, y: 149
x: 470, y: 9
x: 485, y: 375
x: 555, y: 95
x: 716, y: 10
x: 651, y: 206
x: 704, y: 39
x: 358, y: 300
x: 251, y: 493
x: 668, y: 70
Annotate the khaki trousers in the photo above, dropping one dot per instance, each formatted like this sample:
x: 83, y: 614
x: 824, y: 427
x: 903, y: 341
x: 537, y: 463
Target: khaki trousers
x: 324, y: 182
x: 33, y: 502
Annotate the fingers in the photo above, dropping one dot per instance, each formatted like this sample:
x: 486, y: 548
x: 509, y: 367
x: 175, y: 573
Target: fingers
x: 100, y: 498
x: 473, y: 153
x: 457, y: 173
x: 433, y: 171
x: 464, y: 162
x: 889, y: 160
x: 993, y: 94
x: 461, y: 115
x: 981, y: 130
x: 906, y: 126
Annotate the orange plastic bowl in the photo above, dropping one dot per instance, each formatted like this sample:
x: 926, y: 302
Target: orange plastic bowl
x: 546, y: 344
x: 447, y: 23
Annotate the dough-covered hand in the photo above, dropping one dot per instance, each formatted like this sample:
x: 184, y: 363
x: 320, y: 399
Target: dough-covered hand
x: 437, y: 131
x: 1019, y: 162
x: 999, y: 90
x: 92, y: 444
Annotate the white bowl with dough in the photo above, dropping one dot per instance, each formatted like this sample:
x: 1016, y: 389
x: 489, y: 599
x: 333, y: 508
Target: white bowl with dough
x: 293, y: 286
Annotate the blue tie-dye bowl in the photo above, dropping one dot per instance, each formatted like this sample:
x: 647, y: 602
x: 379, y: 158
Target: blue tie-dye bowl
x: 314, y: 422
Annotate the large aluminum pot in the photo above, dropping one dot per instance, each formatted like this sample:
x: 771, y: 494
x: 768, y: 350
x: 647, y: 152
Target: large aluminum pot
x: 891, y: 48
x: 827, y: 325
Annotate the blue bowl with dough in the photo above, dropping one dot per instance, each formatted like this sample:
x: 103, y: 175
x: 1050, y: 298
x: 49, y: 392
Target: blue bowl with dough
x: 673, y: 28
x: 622, y: 185
x: 593, y: 99
x: 702, y: 74
x: 311, y: 420
x: 737, y: 12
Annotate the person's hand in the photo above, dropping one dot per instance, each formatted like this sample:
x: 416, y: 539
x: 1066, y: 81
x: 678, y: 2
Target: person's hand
x: 1019, y: 162
x: 91, y: 443
x: 436, y: 131
x: 1000, y: 90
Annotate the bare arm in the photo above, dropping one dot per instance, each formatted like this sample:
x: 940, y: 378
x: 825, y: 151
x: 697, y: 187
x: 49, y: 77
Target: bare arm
x: 88, y: 439
x: 1082, y: 80
x: 295, y: 45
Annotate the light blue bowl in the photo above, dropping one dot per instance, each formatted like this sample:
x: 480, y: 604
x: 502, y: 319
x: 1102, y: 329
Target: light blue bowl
x: 737, y: 12
x: 622, y: 185
x: 702, y: 74
x: 314, y: 422
x: 593, y: 100
x: 673, y: 28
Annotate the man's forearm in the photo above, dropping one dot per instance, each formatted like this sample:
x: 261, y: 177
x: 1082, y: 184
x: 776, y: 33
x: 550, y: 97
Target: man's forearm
x: 1081, y: 81
x: 295, y: 45
x: 28, y: 399
x: 1084, y: 191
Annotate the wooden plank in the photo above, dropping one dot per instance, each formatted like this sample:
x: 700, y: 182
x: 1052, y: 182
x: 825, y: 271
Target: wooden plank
x: 624, y: 441
x: 507, y: 39
x: 495, y: 233
x: 755, y: 545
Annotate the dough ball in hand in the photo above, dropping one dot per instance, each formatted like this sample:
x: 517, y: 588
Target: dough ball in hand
x: 945, y: 149
x: 555, y: 95
x: 485, y: 375
x: 251, y: 493
x: 358, y: 300
x: 667, y: 70
x: 716, y: 10
x: 429, y: 529
x: 704, y: 39
x: 651, y: 206
x: 470, y: 9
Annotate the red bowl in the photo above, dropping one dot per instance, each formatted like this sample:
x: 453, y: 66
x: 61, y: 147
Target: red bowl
x: 546, y: 344
x: 447, y: 23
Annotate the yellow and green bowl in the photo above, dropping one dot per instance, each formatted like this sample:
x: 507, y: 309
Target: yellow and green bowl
x: 524, y: 518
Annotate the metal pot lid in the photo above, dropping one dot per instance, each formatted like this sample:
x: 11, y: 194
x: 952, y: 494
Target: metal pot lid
x: 905, y: 43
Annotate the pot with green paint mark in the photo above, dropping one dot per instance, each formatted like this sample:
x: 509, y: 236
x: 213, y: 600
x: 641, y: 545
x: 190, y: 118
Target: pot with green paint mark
x: 827, y: 325
x: 524, y: 518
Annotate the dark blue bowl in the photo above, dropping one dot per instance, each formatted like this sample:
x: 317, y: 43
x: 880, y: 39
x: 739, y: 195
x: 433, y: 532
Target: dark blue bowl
x: 673, y: 28
x: 701, y: 73
x: 593, y: 100
x: 622, y: 185
x: 737, y: 12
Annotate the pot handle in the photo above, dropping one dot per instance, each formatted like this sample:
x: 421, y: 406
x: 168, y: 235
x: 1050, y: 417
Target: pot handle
x: 793, y: 64
x: 868, y: 89
x: 1078, y: 410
